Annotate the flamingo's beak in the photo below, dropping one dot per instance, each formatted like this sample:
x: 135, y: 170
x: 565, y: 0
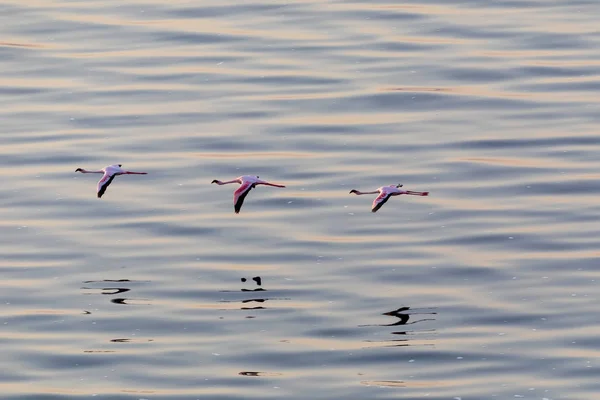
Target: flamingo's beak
x: 78, y: 169
x: 214, y: 181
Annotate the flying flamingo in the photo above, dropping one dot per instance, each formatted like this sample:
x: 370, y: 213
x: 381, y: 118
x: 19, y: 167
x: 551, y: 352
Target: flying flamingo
x: 109, y: 174
x: 385, y: 192
x: 248, y: 182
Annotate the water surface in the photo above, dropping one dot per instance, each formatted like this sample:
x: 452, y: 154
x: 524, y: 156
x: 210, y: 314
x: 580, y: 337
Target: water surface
x: 492, y: 106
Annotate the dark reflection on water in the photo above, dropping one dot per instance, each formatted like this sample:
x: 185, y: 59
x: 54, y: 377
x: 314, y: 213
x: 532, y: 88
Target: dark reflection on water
x: 130, y: 340
x: 129, y: 301
x: 256, y: 279
x: 113, y: 291
x: 246, y: 301
x: 254, y: 308
x: 404, y: 314
x: 256, y: 300
x: 258, y: 373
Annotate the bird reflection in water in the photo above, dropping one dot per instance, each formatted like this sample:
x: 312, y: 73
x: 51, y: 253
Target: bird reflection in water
x: 124, y: 340
x: 258, y: 281
x: 111, y: 287
x: 247, y: 303
x: 112, y: 291
x: 130, y: 340
x: 404, y: 314
x: 259, y: 373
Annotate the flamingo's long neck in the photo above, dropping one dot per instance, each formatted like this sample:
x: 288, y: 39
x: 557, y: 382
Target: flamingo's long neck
x: 85, y: 171
x: 359, y: 192
x: 225, y: 183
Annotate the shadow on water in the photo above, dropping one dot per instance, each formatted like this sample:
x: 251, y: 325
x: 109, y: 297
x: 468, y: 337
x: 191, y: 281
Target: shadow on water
x: 404, y: 314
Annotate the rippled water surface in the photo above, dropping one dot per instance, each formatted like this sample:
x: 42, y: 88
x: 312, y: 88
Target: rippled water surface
x: 148, y: 293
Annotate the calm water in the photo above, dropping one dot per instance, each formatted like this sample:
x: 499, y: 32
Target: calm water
x: 492, y: 106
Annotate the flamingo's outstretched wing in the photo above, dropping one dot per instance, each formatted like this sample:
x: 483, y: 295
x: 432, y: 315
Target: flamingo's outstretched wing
x: 380, y: 200
x: 103, y: 183
x: 240, y: 194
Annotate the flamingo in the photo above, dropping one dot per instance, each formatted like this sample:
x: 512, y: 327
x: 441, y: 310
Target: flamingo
x: 109, y: 174
x: 385, y: 192
x: 248, y: 182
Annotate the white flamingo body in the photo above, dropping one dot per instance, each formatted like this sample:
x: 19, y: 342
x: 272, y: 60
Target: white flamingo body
x: 385, y: 193
x: 109, y: 174
x: 247, y: 182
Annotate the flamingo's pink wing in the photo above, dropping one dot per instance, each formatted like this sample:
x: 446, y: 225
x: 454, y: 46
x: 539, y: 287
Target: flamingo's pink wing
x: 380, y: 201
x: 240, y: 194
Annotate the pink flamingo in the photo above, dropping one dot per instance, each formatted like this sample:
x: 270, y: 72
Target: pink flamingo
x: 385, y: 192
x: 109, y: 174
x: 248, y: 182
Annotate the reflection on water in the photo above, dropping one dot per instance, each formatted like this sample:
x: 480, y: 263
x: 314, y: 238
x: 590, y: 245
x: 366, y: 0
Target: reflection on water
x: 384, y: 383
x: 403, y: 314
x: 258, y: 373
x: 130, y: 340
x: 253, y: 308
x: 256, y: 279
x: 112, y: 291
x: 246, y: 301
